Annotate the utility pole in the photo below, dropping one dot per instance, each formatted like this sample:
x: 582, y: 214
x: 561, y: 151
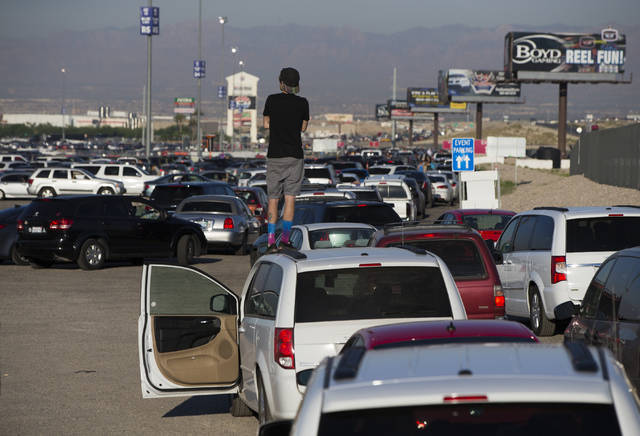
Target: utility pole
x: 149, y: 26
x: 221, y: 93
x: 63, y: 109
x: 393, y: 123
x: 199, y: 138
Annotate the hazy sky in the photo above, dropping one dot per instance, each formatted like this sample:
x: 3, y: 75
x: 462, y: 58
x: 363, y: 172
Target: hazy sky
x: 24, y: 18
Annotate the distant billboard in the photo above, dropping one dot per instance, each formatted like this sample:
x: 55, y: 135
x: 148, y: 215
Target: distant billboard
x: 419, y: 97
x: 602, y: 52
x: 479, y: 83
x: 184, y: 105
x: 339, y: 118
x: 242, y: 102
x: 325, y: 145
x: 382, y: 112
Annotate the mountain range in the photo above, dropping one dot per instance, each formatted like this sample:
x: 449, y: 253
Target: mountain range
x: 342, y: 69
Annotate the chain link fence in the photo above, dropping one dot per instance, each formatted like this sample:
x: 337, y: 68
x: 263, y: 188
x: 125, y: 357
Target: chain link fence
x: 611, y: 156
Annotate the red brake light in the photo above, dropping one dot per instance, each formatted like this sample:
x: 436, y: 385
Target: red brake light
x: 464, y: 398
x: 61, y: 224
x: 30, y: 181
x: 498, y: 295
x: 318, y: 193
x: 2, y: 226
x: 441, y: 186
x: 228, y: 223
x: 558, y: 269
x: 365, y: 265
x: 283, y: 348
x: 428, y: 235
x: 616, y: 214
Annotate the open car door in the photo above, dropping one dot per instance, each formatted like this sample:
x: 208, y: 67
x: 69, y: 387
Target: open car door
x: 187, y: 334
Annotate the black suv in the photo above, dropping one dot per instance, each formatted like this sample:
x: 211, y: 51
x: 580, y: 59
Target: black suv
x: 168, y: 196
x: 310, y: 211
x: 92, y: 229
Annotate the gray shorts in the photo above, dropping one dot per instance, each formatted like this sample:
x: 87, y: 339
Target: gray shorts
x: 284, y: 175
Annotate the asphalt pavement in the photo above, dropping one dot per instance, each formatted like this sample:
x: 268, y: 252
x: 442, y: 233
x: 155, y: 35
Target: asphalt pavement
x: 69, y: 353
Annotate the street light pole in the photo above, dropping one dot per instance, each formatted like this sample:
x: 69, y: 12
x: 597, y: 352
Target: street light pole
x: 234, y: 50
x: 64, y: 76
x: 222, y: 21
x: 199, y: 138
x: 148, y: 106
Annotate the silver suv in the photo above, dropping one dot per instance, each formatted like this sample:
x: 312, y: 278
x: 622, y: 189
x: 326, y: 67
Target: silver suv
x: 49, y: 182
x: 550, y: 255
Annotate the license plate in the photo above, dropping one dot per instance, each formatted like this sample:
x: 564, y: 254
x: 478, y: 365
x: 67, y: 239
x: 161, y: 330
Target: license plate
x: 36, y: 229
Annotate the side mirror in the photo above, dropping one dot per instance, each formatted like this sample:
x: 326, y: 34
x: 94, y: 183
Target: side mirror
x: 223, y: 303
x: 566, y: 310
x: 276, y: 428
x: 302, y: 377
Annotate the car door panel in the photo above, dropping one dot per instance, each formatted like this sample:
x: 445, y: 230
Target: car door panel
x: 186, y: 347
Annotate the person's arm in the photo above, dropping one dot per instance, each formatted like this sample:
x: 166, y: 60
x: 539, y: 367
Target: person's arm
x: 305, y: 116
x: 266, y: 113
x: 266, y: 120
x: 304, y: 125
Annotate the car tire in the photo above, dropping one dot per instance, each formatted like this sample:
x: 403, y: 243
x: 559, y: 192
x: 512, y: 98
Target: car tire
x: 239, y: 408
x: 243, y: 249
x: 264, y: 415
x: 40, y: 263
x: 92, y: 255
x: 2, y: 196
x: 16, y: 258
x: 538, y: 321
x: 185, y: 250
x: 46, y: 192
x: 105, y: 191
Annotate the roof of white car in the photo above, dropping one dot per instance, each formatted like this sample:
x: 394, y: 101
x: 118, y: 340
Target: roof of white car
x: 586, y: 211
x: 325, y: 226
x: 357, y: 257
x: 501, y: 372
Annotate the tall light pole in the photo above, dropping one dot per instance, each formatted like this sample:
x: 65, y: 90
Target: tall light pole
x: 199, y: 140
x: 234, y: 50
x: 149, y: 26
x: 221, y: 94
x: 62, y: 109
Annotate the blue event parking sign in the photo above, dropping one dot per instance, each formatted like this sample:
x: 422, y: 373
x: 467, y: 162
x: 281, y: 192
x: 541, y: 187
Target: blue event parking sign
x: 462, y: 150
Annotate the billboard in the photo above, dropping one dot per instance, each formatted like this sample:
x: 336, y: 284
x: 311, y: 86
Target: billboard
x: 184, y: 105
x: 565, y: 52
x: 382, y: 112
x: 242, y: 102
x: 422, y: 97
x: 479, y: 83
x: 339, y: 118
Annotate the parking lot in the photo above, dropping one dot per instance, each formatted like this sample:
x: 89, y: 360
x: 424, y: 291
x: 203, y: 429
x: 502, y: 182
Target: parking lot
x: 69, y: 361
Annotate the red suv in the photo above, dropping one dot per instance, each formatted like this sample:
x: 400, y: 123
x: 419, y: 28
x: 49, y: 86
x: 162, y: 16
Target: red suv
x: 489, y: 222
x: 467, y: 256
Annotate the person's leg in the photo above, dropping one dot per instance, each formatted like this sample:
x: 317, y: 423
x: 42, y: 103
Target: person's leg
x: 274, y: 190
x: 287, y: 217
x: 273, y: 219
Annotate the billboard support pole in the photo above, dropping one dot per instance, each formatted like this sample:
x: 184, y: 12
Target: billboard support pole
x: 562, y: 118
x: 436, y: 130
x: 410, y: 133
x: 478, y: 121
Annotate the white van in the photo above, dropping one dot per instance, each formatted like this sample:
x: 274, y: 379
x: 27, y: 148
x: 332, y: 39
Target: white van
x: 12, y: 158
x: 395, y: 191
x: 133, y: 177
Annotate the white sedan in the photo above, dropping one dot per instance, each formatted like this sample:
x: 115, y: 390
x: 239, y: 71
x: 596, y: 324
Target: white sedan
x: 329, y: 235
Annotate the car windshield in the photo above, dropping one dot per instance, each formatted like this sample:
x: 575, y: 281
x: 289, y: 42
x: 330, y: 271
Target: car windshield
x: 371, y: 293
x: 436, y: 179
x: 379, y: 170
x: 391, y: 191
x: 486, y: 221
x: 375, y: 215
x: 336, y: 238
x: 247, y: 196
x: 366, y: 195
x: 460, y: 255
x: 482, y: 419
x: 602, y: 234
x: 317, y: 173
x: 206, y: 206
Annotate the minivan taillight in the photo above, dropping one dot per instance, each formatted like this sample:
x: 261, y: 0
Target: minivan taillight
x: 498, y: 296
x: 283, y: 348
x: 558, y: 269
x: 228, y: 223
x: 20, y: 225
x: 61, y: 224
x: 30, y: 182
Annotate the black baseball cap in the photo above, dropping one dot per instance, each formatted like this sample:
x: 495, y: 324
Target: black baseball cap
x: 289, y: 76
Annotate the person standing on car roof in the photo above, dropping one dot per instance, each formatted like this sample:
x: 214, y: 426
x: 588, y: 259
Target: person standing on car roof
x: 286, y: 115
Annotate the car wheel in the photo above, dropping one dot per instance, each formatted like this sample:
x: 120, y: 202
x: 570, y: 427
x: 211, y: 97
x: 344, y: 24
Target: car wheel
x: 92, y: 255
x: 186, y: 250
x: 16, y: 258
x: 243, y: 249
x: 40, y: 263
x: 105, y: 191
x: 540, y: 324
x: 239, y: 408
x: 46, y: 192
x: 264, y: 415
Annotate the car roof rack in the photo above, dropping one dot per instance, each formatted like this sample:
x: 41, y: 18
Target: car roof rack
x: 559, y: 209
x: 349, y: 363
x: 581, y: 357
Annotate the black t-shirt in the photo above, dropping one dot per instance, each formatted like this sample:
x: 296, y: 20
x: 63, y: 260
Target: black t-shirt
x: 286, y: 113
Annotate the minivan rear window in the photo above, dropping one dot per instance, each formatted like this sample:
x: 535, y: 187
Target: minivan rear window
x: 171, y: 194
x: 206, y: 206
x: 317, y: 173
x: 602, y: 234
x: 392, y: 191
x: 364, y: 213
x: 371, y: 293
x: 461, y: 256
